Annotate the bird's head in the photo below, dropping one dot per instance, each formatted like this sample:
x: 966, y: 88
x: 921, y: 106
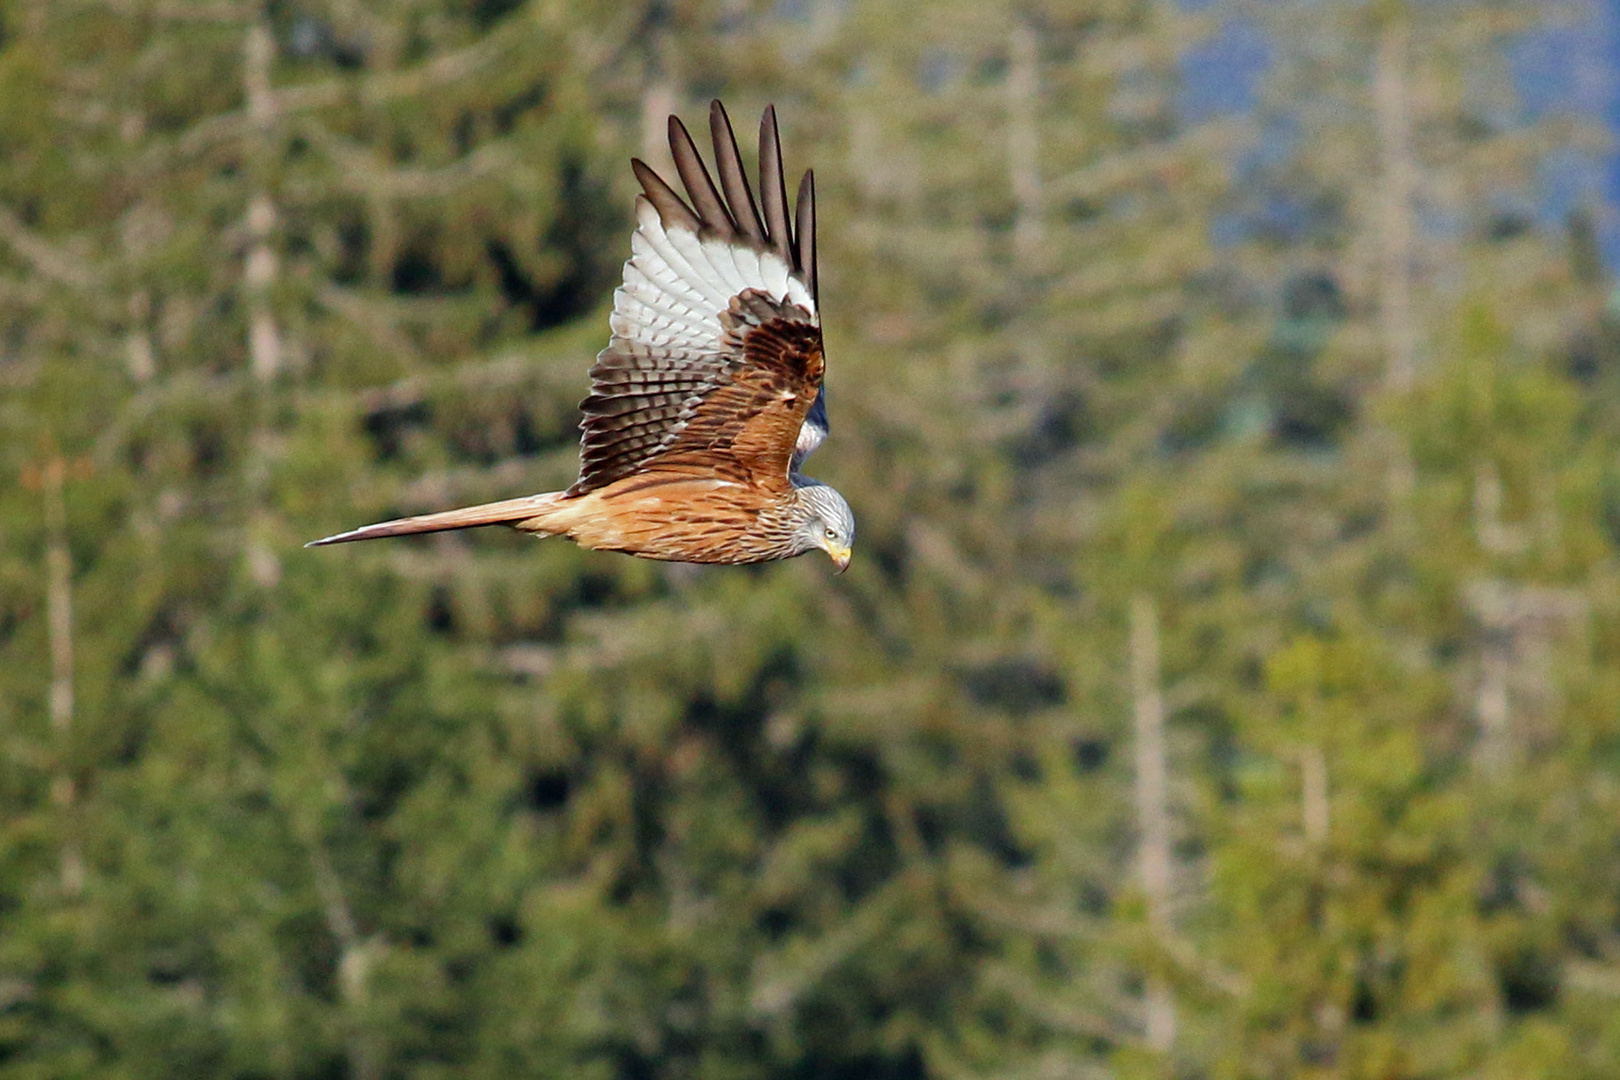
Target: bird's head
x: 826, y: 522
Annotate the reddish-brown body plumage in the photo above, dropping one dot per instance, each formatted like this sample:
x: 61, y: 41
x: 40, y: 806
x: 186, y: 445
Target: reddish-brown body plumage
x: 676, y: 518
x: 709, y: 393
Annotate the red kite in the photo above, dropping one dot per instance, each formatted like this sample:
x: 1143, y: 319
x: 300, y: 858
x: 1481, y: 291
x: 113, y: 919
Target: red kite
x: 708, y: 395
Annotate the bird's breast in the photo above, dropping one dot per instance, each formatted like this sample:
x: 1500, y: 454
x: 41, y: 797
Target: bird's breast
x: 684, y: 519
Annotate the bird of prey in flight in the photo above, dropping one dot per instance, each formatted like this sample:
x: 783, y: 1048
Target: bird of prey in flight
x: 708, y: 396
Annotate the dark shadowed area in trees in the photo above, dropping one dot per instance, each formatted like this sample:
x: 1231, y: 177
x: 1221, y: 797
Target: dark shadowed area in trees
x: 1227, y: 684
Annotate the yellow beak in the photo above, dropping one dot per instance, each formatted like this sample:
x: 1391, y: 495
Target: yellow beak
x: 840, y: 557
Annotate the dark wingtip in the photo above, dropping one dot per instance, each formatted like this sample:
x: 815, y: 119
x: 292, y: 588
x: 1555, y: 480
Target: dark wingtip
x: 733, y: 178
x: 706, y: 200
x: 805, y: 232
x: 671, y: 209
x: 773, y: 187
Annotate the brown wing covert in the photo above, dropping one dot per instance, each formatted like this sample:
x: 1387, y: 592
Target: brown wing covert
x: 746, y: 429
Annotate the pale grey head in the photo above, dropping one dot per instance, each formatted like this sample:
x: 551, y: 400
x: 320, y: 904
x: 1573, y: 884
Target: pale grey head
x: 824, y: 521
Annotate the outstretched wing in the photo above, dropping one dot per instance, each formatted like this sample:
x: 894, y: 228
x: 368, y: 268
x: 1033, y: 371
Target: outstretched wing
x: 715, y: 360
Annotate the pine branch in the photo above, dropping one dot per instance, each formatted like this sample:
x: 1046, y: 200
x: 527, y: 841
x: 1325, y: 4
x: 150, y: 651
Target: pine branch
x: 1124, y: 168
x: 372, y: 90
x: 50, y: 260
x: 361, y: 171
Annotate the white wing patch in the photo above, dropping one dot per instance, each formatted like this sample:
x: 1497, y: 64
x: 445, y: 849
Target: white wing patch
x: 676, y: 286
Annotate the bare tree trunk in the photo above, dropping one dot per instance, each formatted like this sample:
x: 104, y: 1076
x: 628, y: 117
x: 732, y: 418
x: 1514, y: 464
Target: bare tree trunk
x: 824, y: 18
x: 1493, y: 534
x: 259, y: 279
x: 1395, y: 201
x: 1023, y: 138
x: 1395, y: 184
x: 138, y: 351
x: 1492, y: 708
x: 1519, y: 627
x: 262, y: 264
x: 355, y: 957
x: 382, y: 215
x: 1152, y: 808
x: 1491, y: 703
x: 1315, y: 809
x: 59, y: 614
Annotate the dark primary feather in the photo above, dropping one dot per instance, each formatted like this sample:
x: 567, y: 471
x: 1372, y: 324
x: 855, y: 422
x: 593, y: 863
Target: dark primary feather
x: 734, y: 215
x: 728, y: 162
x: 695, y: 178
x: 805, y: 254
x: 773, y: 187
x: 671, y: 210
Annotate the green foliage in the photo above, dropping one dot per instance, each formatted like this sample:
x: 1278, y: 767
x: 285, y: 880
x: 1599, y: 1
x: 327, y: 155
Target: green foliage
x: 466, y: 806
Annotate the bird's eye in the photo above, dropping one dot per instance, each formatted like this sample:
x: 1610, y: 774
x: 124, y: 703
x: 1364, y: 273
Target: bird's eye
x: 832, y: 534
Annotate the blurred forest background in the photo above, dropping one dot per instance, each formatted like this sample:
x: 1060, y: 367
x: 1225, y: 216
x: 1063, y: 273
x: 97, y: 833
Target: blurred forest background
x: 1227, y: 684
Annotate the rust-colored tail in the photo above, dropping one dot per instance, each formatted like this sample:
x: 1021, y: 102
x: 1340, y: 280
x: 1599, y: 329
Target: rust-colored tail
x: 518, y: 512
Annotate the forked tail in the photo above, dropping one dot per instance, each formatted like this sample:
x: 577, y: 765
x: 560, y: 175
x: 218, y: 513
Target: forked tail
x: 527, y: 513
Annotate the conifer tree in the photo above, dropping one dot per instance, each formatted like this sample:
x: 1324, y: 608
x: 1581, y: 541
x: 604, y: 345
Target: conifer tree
x: 1222, y: 686
x: 1374, y: 630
